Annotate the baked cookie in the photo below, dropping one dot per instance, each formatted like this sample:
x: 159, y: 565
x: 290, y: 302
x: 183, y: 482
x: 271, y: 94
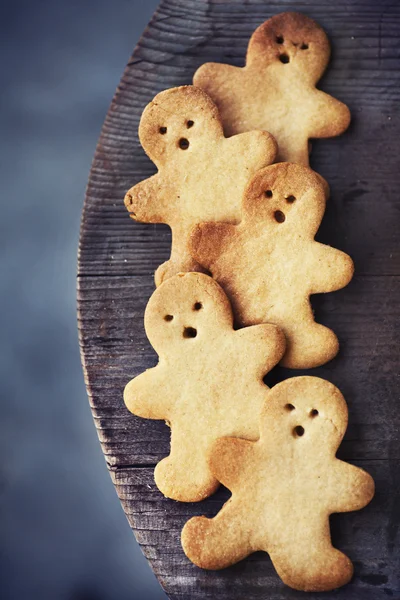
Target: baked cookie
x: 284, y: 487
x: 208, y: 382
x: 276, y: 91
x: 201, y: 174
x: 270, y: 263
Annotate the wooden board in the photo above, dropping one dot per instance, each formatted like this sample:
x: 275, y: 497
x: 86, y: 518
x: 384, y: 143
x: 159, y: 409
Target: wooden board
x: 117, y: 258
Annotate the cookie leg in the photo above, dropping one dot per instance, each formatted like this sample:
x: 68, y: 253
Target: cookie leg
x: 165, y: 271
x: 184, y: 475
x: 181, y: 260
x: 293, y: 148
x: 312, y: 567
x: 219, y: 542
x: 176, y: 265
x: 309, y: 344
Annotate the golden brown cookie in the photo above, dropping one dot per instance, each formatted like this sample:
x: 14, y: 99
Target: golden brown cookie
x: 276, y: 91
x: 201, y: 174
x: 208, y: 382
x: 270, y: 263
x: 284, y: 487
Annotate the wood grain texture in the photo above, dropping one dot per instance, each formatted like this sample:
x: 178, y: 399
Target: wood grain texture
x: 117, y: 258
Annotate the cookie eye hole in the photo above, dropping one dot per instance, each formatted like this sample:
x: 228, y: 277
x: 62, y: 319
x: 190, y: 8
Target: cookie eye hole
x: 279, y: 39
x: 314, y: 413
x: 289, y: 407
x: 279, y: 216
x: 304, y: 46
x: 290, y: 199
x: 268, y: 193
x: 168, y: 317
x: 284, y: 58
x: 189, y: 332
x: 189, y: 124
x: 163, y: 130
x: 183, y: 144
x: 298, y: 431
x: 197, y: 306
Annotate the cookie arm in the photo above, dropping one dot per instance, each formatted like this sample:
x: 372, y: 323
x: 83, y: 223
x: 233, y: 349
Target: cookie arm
x: 219, y: 542
x: 228, y: 458
x: 329, y: 118
x: 351, y: 488
x: 209, y: 240
x: 146, y: 395
x: 258, y: 147
x: 153, y: 200
x: 265, y: 344
x: 327, y: 269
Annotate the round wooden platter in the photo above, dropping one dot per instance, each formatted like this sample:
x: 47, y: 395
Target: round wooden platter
x: 117, y: 259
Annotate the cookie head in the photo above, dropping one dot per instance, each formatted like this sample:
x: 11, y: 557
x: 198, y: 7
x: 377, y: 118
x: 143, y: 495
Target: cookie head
x: 177, y: 121
x: 305, y: 410
x: 286, y: 196
x: 186, y: 311
x: 292, y: 42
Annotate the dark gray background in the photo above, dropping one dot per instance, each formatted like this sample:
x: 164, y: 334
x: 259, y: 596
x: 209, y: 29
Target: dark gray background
x: 63, y: 534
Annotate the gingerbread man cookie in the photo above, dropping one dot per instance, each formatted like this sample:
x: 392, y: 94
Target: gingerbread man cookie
x: 208, y: 382
x: 284, y: 487
x: 276, y: 91
x: 201, y: 174
x: 270, y: 263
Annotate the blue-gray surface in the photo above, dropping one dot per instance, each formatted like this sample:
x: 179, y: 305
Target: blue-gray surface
x: 63, y: 535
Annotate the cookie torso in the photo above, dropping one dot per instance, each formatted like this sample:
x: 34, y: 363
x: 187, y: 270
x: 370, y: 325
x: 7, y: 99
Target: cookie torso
x: 199, y: 392
x: 198, y: 198
x: 261, y: 292
x: 248, y: 107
